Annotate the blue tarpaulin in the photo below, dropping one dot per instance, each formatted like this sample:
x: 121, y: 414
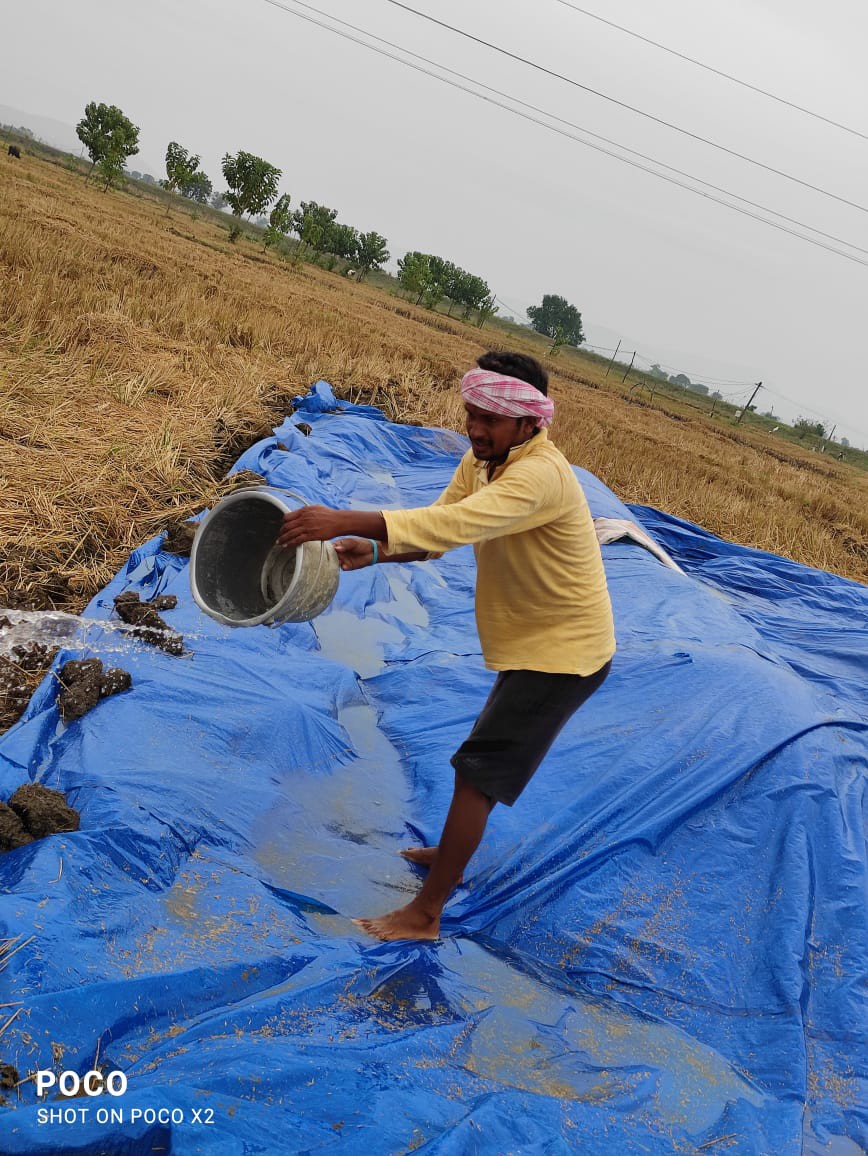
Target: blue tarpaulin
x: 661, y: 948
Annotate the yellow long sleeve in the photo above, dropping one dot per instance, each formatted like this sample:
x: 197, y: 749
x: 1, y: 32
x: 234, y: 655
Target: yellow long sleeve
x: 541, y: 596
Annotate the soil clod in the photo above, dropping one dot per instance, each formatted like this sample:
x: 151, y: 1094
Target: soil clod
x: 164, y: 602
x: 13, y: 833
x: 114, y: 681
x: 43, y: 811
x: 179, y: 538
x: 79, y: 687
x: 8, y: 1076
x: 9, y: 1079
x: 84, y: 682
x: 147, y: 624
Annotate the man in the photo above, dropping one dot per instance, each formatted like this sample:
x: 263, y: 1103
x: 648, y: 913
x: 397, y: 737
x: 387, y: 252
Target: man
x: 542, y: 606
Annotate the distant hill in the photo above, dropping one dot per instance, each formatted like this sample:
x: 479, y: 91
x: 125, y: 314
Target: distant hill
x: 53, y: 132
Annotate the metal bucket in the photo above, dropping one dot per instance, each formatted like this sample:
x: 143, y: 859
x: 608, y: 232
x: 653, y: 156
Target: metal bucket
x: 241, y: 577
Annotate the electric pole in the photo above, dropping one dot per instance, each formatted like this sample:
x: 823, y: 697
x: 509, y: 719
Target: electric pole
x: 747, y: 407
x: 629, y: 367
x: 614, y: 355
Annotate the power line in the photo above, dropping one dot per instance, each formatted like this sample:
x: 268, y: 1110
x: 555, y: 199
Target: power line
x: 825, y: 416
x: 739, y: 394
x: 716, y: 71
x: 512, y: 308
x: 702, y: 376
x: 586, y: 345
x: 629, y: 107
x: 568, y: 135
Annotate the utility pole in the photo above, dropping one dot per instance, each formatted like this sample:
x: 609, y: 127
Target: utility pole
x: 629, y: 367
x: 750, y: 399
x: 829, y: 437
x: 614, y: 355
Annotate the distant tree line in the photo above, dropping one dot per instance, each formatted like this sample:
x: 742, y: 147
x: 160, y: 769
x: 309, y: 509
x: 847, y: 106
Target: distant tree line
x: 806, y: 425
x: 253, y: 189
x: 684, y: 381
x: 430, y: 279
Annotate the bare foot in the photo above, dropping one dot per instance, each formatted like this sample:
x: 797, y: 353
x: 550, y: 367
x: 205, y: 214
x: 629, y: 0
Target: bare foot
x: 409, y: 922
x: 423, y: 857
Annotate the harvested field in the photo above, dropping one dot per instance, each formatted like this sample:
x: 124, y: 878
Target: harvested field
x: 140, y: 353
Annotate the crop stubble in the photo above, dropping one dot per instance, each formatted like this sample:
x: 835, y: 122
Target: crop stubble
x: 140, y: 352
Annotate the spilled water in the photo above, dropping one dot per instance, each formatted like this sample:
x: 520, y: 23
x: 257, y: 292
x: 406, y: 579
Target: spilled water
x: 358, y: 643
x: 71, y: 631
x: 332, y: 838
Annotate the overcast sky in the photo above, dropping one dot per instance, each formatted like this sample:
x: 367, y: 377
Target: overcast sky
x: 683, y: 280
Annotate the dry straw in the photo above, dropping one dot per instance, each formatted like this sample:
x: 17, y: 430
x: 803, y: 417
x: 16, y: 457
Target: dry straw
x: 139, y: 354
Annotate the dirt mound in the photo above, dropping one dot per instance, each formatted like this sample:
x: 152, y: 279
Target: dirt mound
x: 13, y: 833
x: 146, y: 622
x: 179, y: 538
x: 84, y: 682
x: 43, y: 811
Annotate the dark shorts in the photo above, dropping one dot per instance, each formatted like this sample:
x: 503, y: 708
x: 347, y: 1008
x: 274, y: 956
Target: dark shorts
x: 522, y: 717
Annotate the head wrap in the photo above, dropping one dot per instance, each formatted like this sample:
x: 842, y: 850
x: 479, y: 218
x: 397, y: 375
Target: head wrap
x: 506, y: 395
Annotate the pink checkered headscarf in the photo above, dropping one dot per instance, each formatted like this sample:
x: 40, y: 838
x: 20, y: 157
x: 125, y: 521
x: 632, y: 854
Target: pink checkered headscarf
x: 507, y: 395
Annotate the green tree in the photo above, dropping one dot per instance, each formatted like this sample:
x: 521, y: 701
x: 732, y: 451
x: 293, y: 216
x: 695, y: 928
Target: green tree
x: 197, y: 187
x: 486, y: 308
x: 453, y: 278
x: 342, y: 240
x: 180, y: 167
x: 109, y: 138
x: 252, y: 183
x: 279, y: 221
x: 807, y: 425
x: 556, y: 313
x: 414, y: 273
x: 558, y: 339
x: 218, y: 201
x: 436, y: 281
x: 473, y: 292
x: 111, y: 169
x: 440, y: 277
x: 313, y: 223
x: 371, y: 253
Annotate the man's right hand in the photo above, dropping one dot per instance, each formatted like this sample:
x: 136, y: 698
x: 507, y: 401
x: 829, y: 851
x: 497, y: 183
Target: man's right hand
x: 354, y: 553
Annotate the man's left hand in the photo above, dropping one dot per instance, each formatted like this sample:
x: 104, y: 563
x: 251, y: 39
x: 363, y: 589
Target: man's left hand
x: 309, y: 524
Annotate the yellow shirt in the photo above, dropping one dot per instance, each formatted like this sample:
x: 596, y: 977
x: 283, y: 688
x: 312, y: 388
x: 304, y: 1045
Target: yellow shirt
x: 541, y: 596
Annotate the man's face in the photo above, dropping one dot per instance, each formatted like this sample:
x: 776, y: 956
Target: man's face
x: 493, y: 435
